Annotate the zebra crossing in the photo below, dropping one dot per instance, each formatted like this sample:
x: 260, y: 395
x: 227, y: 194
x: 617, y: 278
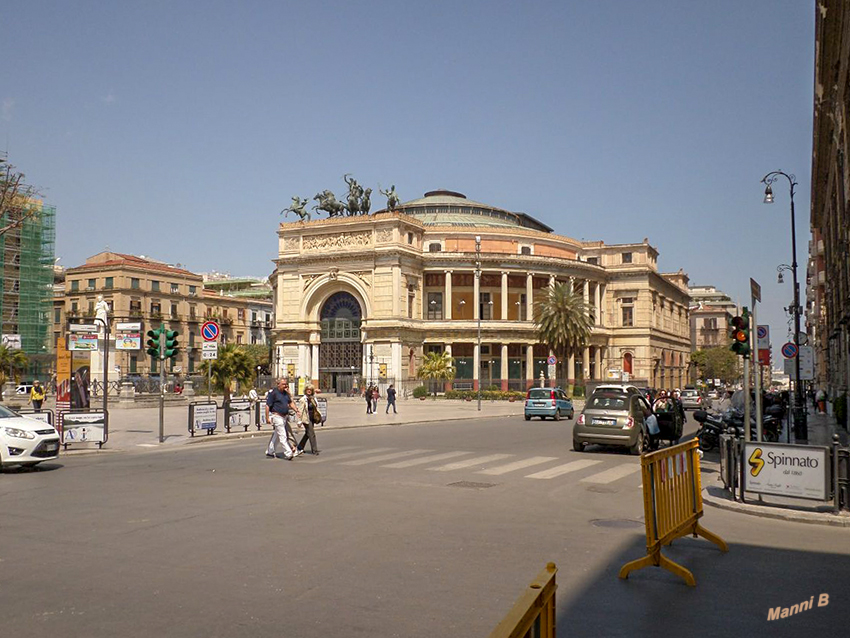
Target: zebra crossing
x: 597, y: 471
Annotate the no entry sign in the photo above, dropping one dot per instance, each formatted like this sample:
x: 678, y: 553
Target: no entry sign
x: 209, y: 331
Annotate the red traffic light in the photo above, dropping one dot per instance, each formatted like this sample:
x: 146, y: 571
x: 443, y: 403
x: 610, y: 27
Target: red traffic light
x: 740, y: 336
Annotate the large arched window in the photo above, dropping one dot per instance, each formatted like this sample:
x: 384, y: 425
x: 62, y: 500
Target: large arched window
x: 341, y: 316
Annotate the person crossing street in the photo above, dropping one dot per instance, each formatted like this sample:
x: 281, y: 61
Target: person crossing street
x: 278, y: 406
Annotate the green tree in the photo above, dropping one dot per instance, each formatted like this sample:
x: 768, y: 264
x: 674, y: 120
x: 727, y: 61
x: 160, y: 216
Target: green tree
x: 437, y: 366
x: 716, y: 363
x: 14, y: 359
x: 260, y: 355
x: 233, y: 364
x: 562, y: 321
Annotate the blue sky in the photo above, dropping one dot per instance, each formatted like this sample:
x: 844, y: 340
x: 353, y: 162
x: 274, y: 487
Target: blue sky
x: 611, y: 120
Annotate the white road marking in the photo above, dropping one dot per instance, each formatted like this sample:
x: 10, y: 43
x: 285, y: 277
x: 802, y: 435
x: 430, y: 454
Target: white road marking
x: 612, y: 474
x: 478, y: 460
x: 426, y: 459
x: 563, y: 469
x: 385, y: 457
x: 518, y: 465
x: 327, y: 457
x: 146, y: 445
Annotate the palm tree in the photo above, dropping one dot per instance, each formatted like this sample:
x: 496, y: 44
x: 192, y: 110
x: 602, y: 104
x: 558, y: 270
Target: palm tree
x: 14, y: 359
x: 562, y: 321
x: 438, y: 366
x: 233, y: 364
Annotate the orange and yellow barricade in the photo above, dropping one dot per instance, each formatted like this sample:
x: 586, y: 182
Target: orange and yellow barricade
x: 672, y: 506
x: 533, y: 614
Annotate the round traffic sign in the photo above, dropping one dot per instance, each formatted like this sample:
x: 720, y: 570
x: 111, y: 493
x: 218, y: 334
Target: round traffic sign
x: 789, y: 350
x: 551, y: 360
x: 761, y: 331
x: 209, y: 331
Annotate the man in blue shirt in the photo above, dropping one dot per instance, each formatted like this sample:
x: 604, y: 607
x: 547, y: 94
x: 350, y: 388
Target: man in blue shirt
x: 278, y: 405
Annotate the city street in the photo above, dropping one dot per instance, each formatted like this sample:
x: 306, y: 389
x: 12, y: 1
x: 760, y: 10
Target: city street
x: 422, y: 530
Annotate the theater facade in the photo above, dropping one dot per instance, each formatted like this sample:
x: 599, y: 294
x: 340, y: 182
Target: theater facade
x: 363, y: 298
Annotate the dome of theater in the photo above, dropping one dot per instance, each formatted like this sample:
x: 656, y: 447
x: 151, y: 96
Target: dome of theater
x: 450, y: 208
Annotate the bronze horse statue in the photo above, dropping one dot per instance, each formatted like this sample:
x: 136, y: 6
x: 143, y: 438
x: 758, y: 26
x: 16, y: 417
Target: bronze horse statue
x: 328, y: 203
x: 298, y: 207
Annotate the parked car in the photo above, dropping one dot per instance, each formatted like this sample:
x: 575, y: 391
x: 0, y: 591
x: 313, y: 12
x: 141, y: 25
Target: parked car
x: 548, y: 402
x: 25, y: 442
x: 613, y: 416
x: 24, y: 388
x: 691, y: 399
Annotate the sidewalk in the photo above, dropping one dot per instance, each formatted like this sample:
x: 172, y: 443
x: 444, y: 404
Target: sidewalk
x: 821, y: 428
x: 139, y: 428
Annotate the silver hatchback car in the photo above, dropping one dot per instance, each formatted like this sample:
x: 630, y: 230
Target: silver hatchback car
x: 613, y: 417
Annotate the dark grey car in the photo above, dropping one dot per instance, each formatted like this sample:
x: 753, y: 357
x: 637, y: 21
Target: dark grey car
x: 613, y: 417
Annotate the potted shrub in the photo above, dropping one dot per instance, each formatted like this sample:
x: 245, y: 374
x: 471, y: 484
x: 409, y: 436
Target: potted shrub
x: 420, y: 392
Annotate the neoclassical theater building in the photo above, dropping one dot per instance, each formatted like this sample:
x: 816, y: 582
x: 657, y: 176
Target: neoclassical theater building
x: 367, y: 296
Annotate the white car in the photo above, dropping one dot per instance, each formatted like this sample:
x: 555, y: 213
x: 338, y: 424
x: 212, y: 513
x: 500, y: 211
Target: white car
x: 24, y: 389
x: 26, y: 442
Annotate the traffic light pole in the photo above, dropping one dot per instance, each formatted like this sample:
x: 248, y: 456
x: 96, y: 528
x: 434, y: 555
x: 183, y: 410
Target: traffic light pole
x: 747, y: 398
x: 162, y: 340
x: 756, y: 372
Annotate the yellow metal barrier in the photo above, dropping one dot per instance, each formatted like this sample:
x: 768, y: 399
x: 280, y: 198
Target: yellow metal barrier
x: 533, y: 614
x: 672, y: 506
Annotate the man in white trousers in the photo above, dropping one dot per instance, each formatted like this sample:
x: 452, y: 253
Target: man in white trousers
x: 278, y: 404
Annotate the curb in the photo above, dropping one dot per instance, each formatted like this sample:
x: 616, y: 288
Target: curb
x: 812, y: 518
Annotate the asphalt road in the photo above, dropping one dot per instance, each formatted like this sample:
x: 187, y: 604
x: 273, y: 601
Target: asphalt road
x: 419, y: 530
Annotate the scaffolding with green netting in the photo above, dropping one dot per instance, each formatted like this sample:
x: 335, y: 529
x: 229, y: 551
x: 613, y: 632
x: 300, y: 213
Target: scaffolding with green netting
x: 26, y: 280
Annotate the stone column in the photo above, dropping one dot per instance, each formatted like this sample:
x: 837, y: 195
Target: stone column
x: 504, y: 312
x: 585, y: 363
x: 447, y: 302
x: 596, y: 304
x: 598, y: 362
x: 504, y: 371
x: 571, y: 371
x: 314, y: 360
x: 395, y: 356
x: 476, y: 367
x: 529, y: 297
x: 447, y: 348
x: 529, y: 366
x: 585, y: 291
x: 397, y: 292
x: 602, y: 306
x: 476, y: 297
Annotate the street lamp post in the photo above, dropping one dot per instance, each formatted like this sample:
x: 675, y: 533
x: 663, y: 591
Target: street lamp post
x: 478, y: 301
x: 371, y: 365
x: 800, y: 426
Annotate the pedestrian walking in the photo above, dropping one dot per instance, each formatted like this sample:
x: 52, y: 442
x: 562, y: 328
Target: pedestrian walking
x: 36, y: 395
x: 391, y: 399
x: 278, y: 407
x: 367, y: 393
x: 375, y: 396
x: 310, y: 416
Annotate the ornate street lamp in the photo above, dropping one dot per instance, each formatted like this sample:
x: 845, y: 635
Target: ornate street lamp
x: 478, y: 301
x: 800, y: 426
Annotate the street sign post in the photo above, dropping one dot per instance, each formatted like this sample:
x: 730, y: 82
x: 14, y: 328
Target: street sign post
x: 789, y: 350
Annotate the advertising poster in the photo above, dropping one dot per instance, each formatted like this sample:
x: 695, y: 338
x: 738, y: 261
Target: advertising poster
x: 82, y: 342
x: 128, y: 341
x: 786, y: 470
x: 203, y: 416
x: 63, y: 375
x: 83, y: 427
x: 322, y: 404
x: 238, y: 414
x: 80, y: 378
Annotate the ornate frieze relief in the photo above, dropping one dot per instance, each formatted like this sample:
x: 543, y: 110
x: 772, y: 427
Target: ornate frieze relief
x: 290, y: 243
x: 385, y: 235
x: 342, y: 240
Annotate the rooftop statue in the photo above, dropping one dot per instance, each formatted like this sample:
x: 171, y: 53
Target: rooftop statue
x: 298, y: 207
x: 328, y: 203
x: 392, y: 198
